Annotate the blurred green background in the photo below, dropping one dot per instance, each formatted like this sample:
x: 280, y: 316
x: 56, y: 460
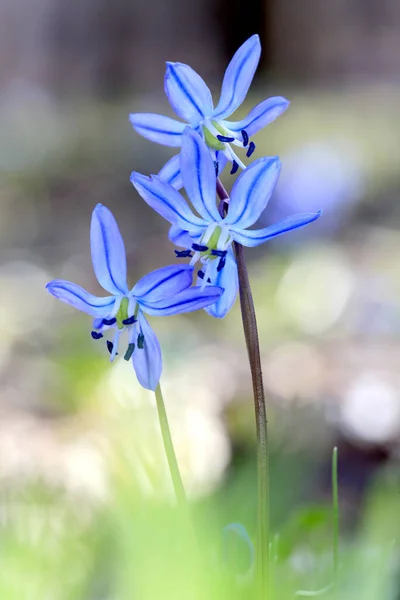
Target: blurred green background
x: 86, y: 507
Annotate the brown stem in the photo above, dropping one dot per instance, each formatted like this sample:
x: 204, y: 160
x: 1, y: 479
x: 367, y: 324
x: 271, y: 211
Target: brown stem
x: 253, y: 350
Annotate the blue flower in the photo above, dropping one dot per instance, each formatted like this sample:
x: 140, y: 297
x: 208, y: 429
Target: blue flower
x: 165, y: 291
x: 191, y: 100
x: 210, y: 235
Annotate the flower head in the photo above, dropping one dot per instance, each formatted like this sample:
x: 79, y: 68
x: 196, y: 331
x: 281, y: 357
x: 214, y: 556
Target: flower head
x: 165, y: 291
x: 191, y: 100
x: 210, y: 235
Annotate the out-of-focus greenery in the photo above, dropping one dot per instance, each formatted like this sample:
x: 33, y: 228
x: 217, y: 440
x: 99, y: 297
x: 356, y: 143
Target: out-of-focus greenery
x: 85, y: 500
x: 130, y: 545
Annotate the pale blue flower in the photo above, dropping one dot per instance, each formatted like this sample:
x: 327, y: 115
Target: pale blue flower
x: 165, y: 291
x: 210, y: 235
x: 191, y: 100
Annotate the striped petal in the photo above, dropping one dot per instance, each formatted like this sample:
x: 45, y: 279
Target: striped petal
x: 146, y: 357
x: 108, y: 251
x: 171, y: 172
x: 168, y: 202
x: 255, y: 237
x: 187, y: 93
x: 76, y: 296
x: 198, y: 175
x: 263, y: 114
x: 238, y: 77
x: 163, y: 283
x: 188, y: 300
x: 252, y: 191
x: 158, y: 128
x: 227, y: 278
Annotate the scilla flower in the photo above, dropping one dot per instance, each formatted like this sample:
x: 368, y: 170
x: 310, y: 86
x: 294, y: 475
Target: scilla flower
x: 166, y: 291
x: 210, y: 235
x: 191, y: 100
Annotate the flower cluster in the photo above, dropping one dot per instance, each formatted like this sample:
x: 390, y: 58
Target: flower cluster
x: 206, y: 233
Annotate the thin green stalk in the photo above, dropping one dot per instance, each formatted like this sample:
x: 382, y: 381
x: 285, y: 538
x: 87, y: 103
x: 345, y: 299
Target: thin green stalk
x: 253, y: 350
x: 335, y: 505
x: 169, y: 449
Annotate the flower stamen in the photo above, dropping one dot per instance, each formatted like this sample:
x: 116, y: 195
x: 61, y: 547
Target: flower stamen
x: 96, y: 335
x: 129, y: 352
x: 109, y: 321
x: 140, y: 341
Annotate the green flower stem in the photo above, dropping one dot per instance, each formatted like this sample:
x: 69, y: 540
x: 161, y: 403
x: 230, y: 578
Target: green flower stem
x: 169, y: 450
x: 253, y: 350
x: 335, y: 504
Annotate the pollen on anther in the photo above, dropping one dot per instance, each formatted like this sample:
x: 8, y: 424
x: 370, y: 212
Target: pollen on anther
x: 220, y: 253
x: 140, y: 341
x: 199, y: 248
x: 235, y: 167
x: 130, y: 321
x: 109, y: 321
x: 245, y: 137
x: 129, y: 351
x: 221, y: 263
x: 183, y: 253
x: 96, y: 335
x: 251, y: 149
x: 226, y: 139
x: 201, y: 276
x: 110, y: 346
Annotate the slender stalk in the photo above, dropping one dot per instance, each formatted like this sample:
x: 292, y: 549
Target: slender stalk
x: 169, y: 449
x: 335, y: 505
x: 253, y: 350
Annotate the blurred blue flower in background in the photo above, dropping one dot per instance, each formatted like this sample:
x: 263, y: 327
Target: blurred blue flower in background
x: 323, y: 175
x: 191, y: 100
x: 210, y: 235
x: 165, y: 291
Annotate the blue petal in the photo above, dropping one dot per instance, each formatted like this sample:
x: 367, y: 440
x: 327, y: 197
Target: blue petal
x: 238, y: 77
x: 75, y: 296
x: 147, y: 361
x: 180, y: 237
x: 187, y: 93
x: 252, y: 191
x: 255, y: 237
x: 198, y: 175
x: 158, y: 128
x: 163, y: 283
x: 188, y: 300
x: 108, y: 251
x: 171, y: 172
x: 227, y: 278
x: 261, y: 115
x: 167, y: 201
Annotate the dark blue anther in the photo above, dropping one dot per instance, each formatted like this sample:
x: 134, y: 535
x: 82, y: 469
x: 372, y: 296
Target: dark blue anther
x: 235, y: 167
x: 216, y: 167
x: 140, y: 341
x: 221, y: 263
x: 183, y: 253
x: 251, y: 149
x: 130, y: 320
x: 245, y: 137
x: 199, y: 248
x: 224, y: 138
x: 110, y: 346
x: 201, y: 276
x: 129, y: 352
x: 220, y: 253
x: 109, y: 321
x: 96, y: 335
